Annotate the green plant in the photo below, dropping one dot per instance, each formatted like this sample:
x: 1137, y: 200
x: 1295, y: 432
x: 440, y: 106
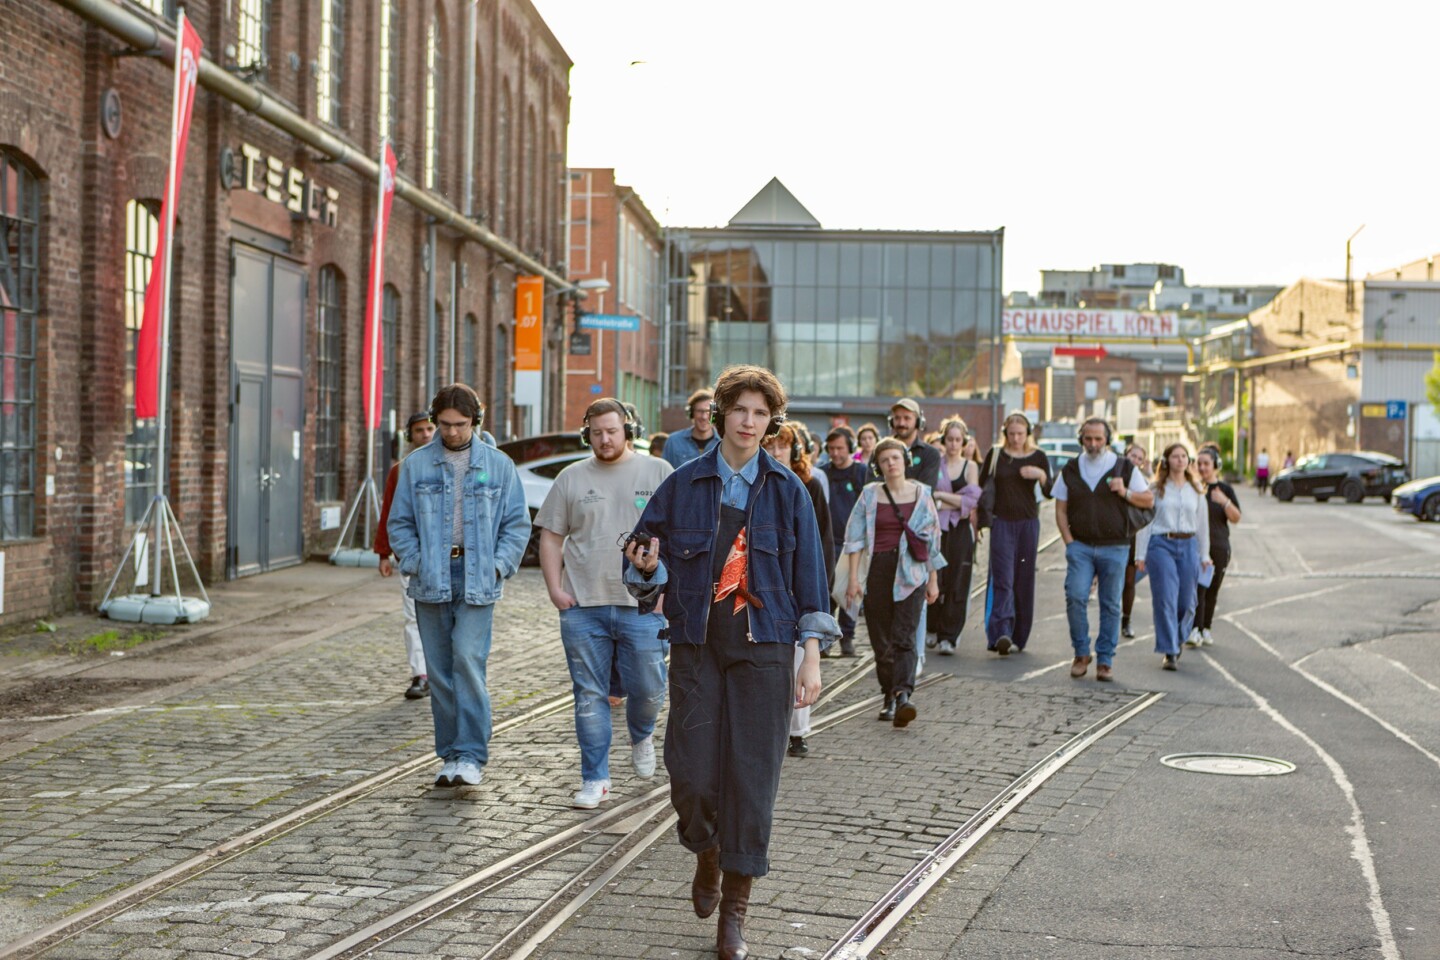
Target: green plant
x: 1432, y: 384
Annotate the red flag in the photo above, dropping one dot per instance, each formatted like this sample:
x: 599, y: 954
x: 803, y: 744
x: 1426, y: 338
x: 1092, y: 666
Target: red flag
x: 372, y: 370
x: 148, y: 343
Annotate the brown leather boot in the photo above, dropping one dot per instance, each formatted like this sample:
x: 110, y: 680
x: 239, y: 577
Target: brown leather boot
x: 705, y: 888
x: 734, y: 901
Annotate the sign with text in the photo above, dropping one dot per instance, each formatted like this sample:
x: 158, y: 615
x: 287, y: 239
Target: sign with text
x: 1089, y: 323
x: 529, y: 332
x: 609, y: 321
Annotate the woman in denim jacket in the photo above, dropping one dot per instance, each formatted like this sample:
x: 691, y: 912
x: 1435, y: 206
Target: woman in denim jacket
x: 884, y: 535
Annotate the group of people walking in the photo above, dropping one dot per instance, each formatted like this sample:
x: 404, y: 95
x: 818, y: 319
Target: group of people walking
x: 742, y: 555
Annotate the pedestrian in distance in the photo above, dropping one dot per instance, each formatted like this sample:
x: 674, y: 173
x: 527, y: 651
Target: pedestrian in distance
x: 1091, y: 495
x: 1020, y: 470
x: 892, y: 543
x: 956, y: 494
x: 590, y: 508
x: 657, y: 444
x: 1262, y: 471
x: 1223, y: 508
x: 846, y: 477
x: 1289, y: 460
x: 730, y: 542
x: 458, y: 526
x: 1173, y: 548
x: 907, y: 424
x: 683, y: 446
x: 867, y: 436
x: 418, y: 432
x: 1137, y: 455
x: 788, y: 448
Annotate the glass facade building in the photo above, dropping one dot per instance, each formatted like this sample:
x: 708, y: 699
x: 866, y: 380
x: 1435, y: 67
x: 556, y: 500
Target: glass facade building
x: 848, y: 319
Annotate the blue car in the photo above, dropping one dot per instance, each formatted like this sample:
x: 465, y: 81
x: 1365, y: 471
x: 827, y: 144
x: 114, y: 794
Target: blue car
x: 1419, y: 498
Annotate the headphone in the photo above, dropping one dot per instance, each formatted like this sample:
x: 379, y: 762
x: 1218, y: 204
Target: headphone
x: 776, y: 422
x: 690, y: 406
x: 919, y: 420
x: 1017, y: 415
x: 1104, y: 423
x: 875, y: 464
x: 475, y: 421
x: 610, y: 406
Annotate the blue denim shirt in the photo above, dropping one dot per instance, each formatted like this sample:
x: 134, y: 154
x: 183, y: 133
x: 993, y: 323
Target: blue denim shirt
x: 496, y: 523
x: 681, y: 447
x: 735, y: 485
x: 786, y: 564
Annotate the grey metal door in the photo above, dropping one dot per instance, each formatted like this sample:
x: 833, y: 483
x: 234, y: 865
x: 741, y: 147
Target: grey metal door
x: 267, y: 349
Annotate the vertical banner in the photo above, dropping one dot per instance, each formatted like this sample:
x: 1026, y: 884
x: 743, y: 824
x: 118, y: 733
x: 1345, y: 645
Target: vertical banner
x: 157, y: 290
x: 372, y: 370
x: 529, y: 332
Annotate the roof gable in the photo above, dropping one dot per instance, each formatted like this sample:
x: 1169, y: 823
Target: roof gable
x: 774, y: 206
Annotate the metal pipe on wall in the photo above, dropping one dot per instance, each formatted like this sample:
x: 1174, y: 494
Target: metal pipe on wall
x: 144, y: 36
x: 471, y: 32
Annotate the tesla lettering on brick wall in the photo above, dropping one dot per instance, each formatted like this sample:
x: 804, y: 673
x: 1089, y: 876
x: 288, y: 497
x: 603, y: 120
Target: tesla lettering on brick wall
x: 272, y: 179
x: 1089, y: 323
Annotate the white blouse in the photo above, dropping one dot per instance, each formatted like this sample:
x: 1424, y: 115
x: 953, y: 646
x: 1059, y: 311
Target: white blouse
x: 1181, y: 510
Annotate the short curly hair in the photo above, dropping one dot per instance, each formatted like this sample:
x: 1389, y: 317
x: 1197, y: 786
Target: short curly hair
x: 739, y: 378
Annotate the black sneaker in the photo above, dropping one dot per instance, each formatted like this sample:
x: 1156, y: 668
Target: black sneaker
x: 1168, y: 663
x: 419, y: 688
x: 798, y: 747
x: 888, y: 712
x: 847, y: 647
x: 1002, y: 646
x: 904, y: 710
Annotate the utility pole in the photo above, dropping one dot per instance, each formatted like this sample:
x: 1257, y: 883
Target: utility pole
x: 1349, y: 282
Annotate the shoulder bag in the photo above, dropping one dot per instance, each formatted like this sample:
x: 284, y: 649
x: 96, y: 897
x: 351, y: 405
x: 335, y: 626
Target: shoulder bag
x: 1136, y: 518
x: 985, y: 509
x: 919, y: 549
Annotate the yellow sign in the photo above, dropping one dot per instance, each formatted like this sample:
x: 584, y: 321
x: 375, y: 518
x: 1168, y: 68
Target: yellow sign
x: 1376, y: 410
x: 529, y: 333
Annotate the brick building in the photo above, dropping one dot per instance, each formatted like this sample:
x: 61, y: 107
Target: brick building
x: 615, y: 238
x: 270, y: 262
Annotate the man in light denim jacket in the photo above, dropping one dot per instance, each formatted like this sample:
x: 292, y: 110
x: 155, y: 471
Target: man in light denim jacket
x: 458, y: 526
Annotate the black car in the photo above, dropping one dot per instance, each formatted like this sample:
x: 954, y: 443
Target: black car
x: 1353, y: 476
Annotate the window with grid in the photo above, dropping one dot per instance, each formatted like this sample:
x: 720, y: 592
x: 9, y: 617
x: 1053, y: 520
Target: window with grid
x: 469, y: 344
x: 327, y: 391
x: 502, y: 160
x: 19, y: 304
x: 142, y: 230
x: 161, y: 8
x: 331, y: 60
x: 433, y: 92
x: 390, y: 390
x: 389, y: 69
x: 252, y: 27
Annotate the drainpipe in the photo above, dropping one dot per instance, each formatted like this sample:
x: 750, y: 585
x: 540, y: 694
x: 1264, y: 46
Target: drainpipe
x: 145, y: 37
x: 432, y: 322
x: 471, y: 32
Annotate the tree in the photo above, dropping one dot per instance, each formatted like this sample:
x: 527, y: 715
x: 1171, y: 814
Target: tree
x: 1432, y: 385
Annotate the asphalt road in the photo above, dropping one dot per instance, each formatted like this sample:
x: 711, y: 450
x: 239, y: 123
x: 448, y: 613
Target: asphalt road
x: 1324, y: 657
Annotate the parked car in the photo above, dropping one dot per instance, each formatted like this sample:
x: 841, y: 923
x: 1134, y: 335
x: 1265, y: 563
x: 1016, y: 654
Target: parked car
x: 1353, y: 476
x: 1053, y: 445
x: 1419, y: 498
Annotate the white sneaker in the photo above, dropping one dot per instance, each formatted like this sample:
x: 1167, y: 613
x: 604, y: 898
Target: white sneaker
x: 1206, y: 639
x: 447, y: 775
x: 467, y: 773
x: 592, y: 794
x: 1194, y: 639
x: 642, y: 755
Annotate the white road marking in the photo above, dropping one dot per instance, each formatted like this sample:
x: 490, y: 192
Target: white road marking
x: 1065, y: 663
x: 1411, y: 535
x: 1359, y: 841
x: 1405, y: 670
x: 1278, y: 602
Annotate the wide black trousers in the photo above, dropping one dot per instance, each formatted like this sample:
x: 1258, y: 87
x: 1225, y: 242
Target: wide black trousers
x: 725, y: 740
x: 892, y: 624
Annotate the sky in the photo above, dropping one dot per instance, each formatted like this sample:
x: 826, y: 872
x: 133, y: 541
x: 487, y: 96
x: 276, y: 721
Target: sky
x: 1242, y: 141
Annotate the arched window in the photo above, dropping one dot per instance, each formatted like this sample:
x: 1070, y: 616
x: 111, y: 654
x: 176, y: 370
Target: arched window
x: 142, y: 230
x: 469, y: 344
x: 528, y: 183
x: 497, y: 416
x: 390, y: 392
x: 328, y: 324
x: 434, y: 95
x: 502, y: 161
x: 389, y: 69
x: 330, y: 60
x: 19, y: 305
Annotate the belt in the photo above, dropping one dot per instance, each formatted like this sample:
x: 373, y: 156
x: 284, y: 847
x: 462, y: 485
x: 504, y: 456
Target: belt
x: 456, y: 552
x: 1179, y: 536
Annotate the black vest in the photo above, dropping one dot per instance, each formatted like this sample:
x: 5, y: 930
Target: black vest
x: 1097, y: 517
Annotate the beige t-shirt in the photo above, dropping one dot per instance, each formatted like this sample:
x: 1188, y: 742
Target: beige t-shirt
x: 591, y: 505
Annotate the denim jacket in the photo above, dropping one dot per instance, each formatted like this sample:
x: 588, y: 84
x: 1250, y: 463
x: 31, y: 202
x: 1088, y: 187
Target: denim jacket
x: 860, y: 537
x: 786, y: 566
x: 496, y: 523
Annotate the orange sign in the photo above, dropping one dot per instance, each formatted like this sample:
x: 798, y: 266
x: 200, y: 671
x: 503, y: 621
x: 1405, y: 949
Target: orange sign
x: 1032, y: 396
x: 529, y: 332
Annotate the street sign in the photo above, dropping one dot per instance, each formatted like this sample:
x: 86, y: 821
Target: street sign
x: 580, y: 344
x: 609, y: 321
x: 1394, y: 409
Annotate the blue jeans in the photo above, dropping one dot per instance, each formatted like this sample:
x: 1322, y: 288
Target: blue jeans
x: 1084, y: 564
x: 1174, y: 567
x: 594, y: 639
x: 456, y: 637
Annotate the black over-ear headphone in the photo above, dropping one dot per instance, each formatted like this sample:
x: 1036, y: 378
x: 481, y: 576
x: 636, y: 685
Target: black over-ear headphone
x: 919, y: 421
x: 1029, y: 427
x: 610, y: 406
x: 690, y: 407
x: 777, y: 421
x: 475, y: 421
x: 1104, y: 423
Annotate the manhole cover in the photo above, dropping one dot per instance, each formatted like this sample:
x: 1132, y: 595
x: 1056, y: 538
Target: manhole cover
x: 1229, y: 764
